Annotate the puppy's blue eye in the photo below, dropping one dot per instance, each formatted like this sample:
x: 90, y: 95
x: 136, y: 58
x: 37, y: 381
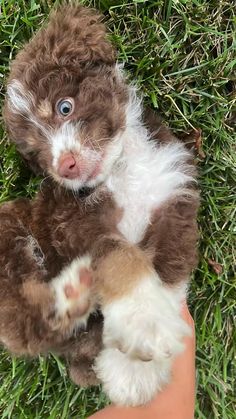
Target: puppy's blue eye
x: 65, y: 107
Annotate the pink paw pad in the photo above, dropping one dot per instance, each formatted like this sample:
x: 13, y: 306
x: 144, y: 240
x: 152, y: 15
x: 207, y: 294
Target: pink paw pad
x: 84, y: 282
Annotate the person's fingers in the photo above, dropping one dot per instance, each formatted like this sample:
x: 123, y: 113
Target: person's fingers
x: 186, y: 315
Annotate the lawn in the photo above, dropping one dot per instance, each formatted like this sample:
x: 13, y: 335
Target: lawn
x: 182, y: 54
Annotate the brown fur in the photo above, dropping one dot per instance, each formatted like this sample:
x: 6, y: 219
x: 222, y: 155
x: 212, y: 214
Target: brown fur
x: 118, y: 267
x: 171, y: 239
x: 47, y: 233
x: 31, y: 232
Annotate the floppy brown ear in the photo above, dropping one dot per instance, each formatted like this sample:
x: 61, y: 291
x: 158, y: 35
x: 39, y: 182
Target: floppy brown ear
x: 76, y: 35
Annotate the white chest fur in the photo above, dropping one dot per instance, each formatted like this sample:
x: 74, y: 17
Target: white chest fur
x: 146, y: 176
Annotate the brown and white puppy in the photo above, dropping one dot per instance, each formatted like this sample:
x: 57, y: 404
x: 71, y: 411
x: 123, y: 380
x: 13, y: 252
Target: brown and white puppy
x: 73, y: 116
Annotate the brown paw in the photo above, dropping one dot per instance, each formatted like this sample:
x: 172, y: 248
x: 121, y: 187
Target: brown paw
x: 82, y: 373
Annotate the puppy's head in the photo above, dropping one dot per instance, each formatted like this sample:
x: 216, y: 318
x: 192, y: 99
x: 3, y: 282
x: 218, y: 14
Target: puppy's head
x: 65, y: 105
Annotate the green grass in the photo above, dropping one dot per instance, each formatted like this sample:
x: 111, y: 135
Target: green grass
x: 182, y: 55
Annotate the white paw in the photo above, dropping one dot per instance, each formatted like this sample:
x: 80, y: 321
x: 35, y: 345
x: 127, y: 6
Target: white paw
x: 130, y: 382
x: 144, y: 331
x: 72, y: 294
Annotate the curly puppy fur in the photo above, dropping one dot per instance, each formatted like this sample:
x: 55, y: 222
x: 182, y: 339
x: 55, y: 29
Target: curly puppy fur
x: 69, y: 57
x: 34, y: 249
x: 73, y: 116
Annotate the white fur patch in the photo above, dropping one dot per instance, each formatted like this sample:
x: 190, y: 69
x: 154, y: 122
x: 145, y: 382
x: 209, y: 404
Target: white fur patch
x: 130, y: 382
x: 22, y: 102
x: 65, y: 139
x: 147, y: 174
x: 35, y: 250
x: 147, y: 325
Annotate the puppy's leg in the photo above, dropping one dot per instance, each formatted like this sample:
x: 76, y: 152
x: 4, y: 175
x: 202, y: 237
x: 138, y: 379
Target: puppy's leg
x: 28, y: 324
x: 171, y: 239
x: 25, y: 298
x: 143, y: 329
x: 142, y: 326
x: 80, y: 351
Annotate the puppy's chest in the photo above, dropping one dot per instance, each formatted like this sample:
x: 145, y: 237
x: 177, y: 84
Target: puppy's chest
x: 146, y: 178
x: 136, y: 215
x: 135, y: 197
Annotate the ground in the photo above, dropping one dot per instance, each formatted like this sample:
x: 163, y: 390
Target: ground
x: 182, y: 55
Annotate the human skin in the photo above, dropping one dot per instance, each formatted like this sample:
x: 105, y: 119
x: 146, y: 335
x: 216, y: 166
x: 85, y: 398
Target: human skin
x: 176, y: 401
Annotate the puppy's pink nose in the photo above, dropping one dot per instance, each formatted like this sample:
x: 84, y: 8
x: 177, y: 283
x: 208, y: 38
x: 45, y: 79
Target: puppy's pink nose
x: 68, y: 167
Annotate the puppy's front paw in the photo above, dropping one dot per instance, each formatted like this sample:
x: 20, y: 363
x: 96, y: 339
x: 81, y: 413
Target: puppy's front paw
x: 128, y: 381
x: 73, y: 298
x: 142, y: 332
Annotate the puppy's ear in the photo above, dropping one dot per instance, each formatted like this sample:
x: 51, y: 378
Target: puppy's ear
x: 75, y: 35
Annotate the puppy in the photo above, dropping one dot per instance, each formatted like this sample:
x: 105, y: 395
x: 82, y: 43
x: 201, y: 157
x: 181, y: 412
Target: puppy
x: 73, y: 116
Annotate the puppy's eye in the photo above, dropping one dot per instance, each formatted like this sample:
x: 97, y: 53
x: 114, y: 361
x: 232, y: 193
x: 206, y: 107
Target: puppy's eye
x: 65, y: 107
